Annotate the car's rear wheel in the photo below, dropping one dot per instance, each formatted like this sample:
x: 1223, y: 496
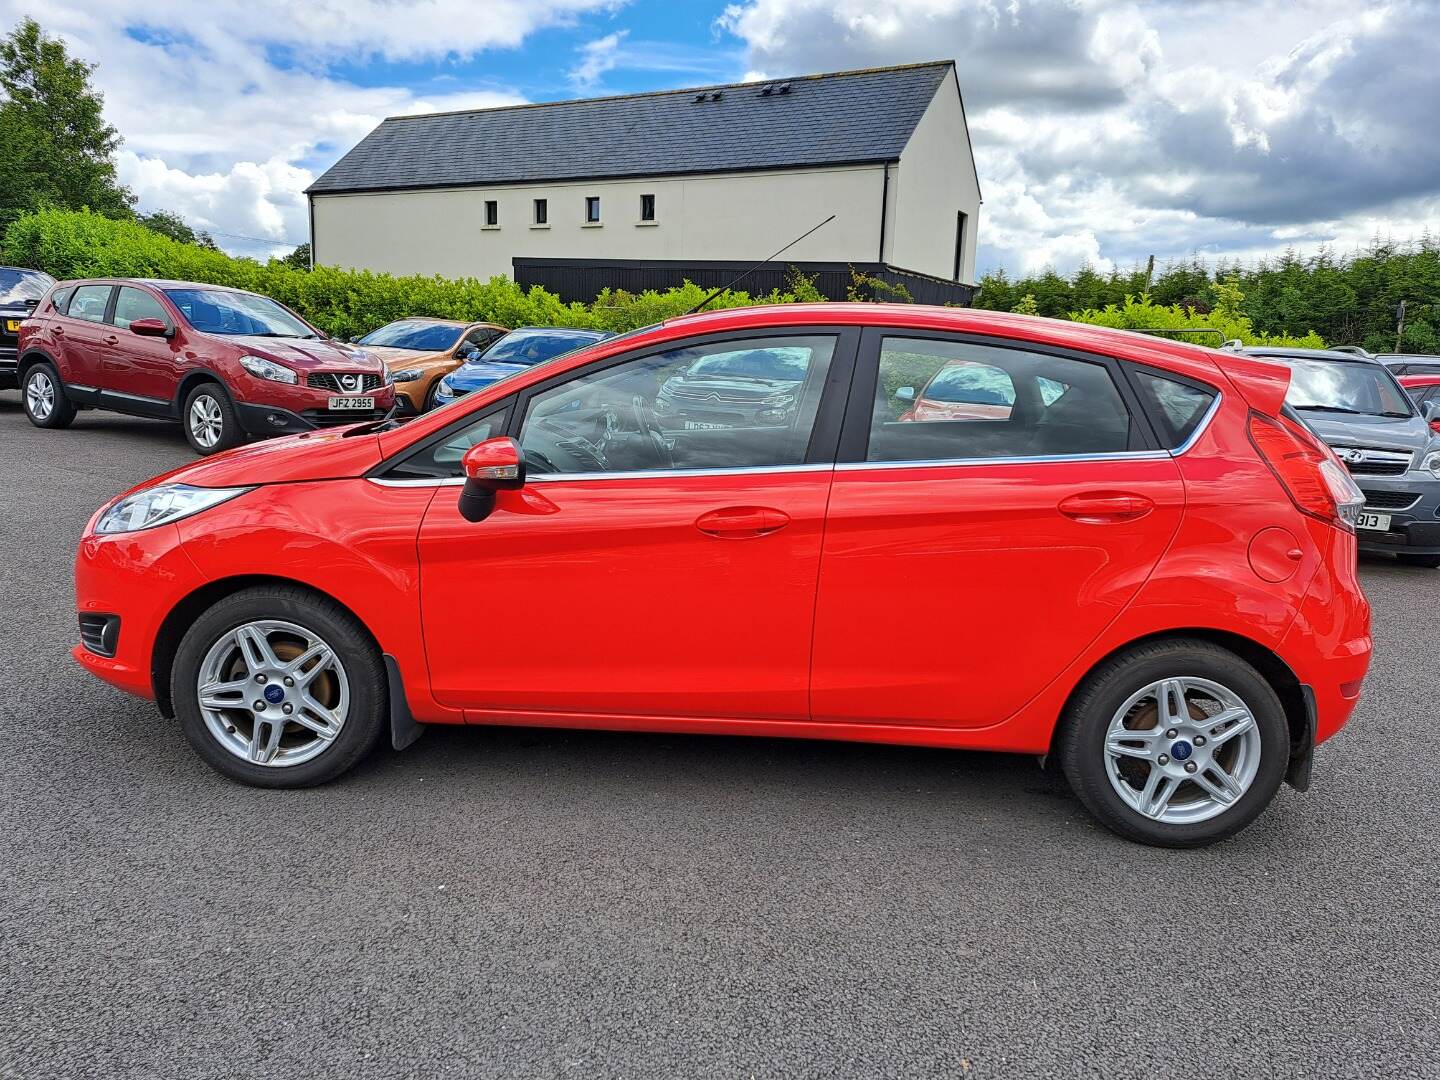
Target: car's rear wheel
x: 1430, y: 561
x: 1177, y: 744
x: 277, y: 687
x: 211, y: 423
x: 43, y: 394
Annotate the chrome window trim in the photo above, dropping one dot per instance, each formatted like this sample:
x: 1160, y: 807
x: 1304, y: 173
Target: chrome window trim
x: 638, y: 474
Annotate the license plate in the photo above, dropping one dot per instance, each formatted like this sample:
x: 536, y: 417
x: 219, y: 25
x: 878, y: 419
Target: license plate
x: 696, y: 425
x: 356, y: 403
x: 1378, y: 522
x: 13, y: 325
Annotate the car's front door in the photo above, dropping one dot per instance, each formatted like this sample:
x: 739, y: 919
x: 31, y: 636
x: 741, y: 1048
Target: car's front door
x: 647, y: 568
x: 970, y: 557
x: 145, y: 369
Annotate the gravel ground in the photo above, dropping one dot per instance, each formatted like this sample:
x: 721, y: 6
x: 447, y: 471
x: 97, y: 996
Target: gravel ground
x: 515, y: 903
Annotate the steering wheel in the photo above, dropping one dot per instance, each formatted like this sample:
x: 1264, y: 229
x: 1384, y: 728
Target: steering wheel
x: 646, y: 424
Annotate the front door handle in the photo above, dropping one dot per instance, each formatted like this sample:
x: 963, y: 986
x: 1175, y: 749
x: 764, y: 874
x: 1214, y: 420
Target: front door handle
x: 742, y: 522
x: 58, y: 330
x: 1105, y: 507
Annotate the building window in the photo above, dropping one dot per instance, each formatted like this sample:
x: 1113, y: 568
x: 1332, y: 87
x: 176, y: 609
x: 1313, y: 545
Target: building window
x: 592, y: 209
x: 542, y: 212
x: 492, y: 213
x: 647, y: 207
x: 959, y: 242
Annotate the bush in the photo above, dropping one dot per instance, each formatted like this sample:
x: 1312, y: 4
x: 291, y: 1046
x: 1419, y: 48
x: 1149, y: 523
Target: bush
x: 343, y: 303
x: 1226, y: 316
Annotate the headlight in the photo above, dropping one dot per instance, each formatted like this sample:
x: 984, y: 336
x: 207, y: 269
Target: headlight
x: 161, y: 505
x: 1432, y: 462
x: 785, y: 398
x: 268, y: 369
x: 408, y: 375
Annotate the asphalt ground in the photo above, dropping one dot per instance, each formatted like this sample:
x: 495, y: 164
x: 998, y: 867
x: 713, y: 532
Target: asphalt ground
x: 518, y: 903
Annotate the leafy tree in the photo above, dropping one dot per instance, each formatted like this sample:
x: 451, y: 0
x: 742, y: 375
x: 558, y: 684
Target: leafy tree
x: 58, y: 149
x: 1026, y: 305
x: 168, y: 223
x: 299, y: 259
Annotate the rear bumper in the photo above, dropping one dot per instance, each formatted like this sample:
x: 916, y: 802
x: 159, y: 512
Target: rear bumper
x: 1328, y: 646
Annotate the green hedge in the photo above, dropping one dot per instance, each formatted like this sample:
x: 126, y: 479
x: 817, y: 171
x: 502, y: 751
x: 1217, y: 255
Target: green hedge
x: 72, y: 244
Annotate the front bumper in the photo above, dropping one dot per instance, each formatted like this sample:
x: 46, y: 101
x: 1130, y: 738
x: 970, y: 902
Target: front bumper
x: 9, y: 357
x: 1415, y: 529
x: 264, y: 420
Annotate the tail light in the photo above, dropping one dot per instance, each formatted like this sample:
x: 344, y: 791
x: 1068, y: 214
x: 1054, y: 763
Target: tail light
x: 1308, y: 470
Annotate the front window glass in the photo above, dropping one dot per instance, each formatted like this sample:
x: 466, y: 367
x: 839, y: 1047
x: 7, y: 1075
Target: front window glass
x: 414, y: 334
x: 1340, y: 386
x: 212, y: 311
x: 731, y: 405
x: 530, y: 347
x: 17, y: 286
x: 946, y: 400
x: 134, y: 304
x: 88, y: 303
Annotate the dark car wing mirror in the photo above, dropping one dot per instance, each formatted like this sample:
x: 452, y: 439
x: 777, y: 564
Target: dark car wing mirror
x: 490, y: 466
x: 150, y: 328
x: 470, y: 352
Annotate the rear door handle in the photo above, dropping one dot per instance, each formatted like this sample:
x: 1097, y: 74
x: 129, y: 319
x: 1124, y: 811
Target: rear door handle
x: 1105, y: 507
x: 742, y: 522
x: 112, y: 340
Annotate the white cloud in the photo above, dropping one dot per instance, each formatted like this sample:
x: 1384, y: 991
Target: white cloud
x: 1107, y: 130
x: 596, y: 58
x: 228, y: 110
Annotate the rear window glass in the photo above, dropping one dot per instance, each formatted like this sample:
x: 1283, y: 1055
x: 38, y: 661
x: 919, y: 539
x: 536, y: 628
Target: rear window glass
x: 1176, y: 407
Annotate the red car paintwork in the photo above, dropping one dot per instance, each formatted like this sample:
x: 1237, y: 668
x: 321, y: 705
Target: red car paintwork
x: 1421, y: 382
x: 947, y: 605
x: 110, y: 367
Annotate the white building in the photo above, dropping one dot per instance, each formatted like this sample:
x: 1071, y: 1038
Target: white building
x: 648, y: 189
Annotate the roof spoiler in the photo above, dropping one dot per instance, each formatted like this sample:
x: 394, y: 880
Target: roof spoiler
x: 1261, y: 383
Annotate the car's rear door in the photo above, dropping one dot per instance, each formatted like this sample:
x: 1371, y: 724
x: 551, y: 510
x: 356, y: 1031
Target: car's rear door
x: 968, y: 560
x: 81, y: 335
x: 644, y: 570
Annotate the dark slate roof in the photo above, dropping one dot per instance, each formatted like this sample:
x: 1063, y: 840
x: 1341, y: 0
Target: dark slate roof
x: 844, y: 118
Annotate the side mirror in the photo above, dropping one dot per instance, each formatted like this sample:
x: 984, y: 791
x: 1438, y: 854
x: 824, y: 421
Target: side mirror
x: 351, y: 340
x: 906, y: 393
x: 32, y: 303
x: 470, y: 352
x: 150, y: 328
x: 490, y: 466
x: 1431, y: 410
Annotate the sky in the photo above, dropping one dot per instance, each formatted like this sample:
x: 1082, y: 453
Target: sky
x: 1104, y: 131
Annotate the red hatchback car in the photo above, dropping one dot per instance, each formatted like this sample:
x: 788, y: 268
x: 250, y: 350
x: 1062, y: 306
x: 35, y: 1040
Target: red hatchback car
x: 1149, y: 576
x: 227, y: 364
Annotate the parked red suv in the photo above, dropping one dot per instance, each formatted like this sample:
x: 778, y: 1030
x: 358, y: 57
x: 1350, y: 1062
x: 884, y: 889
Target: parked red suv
x: 1145, y: 570
x: 225, y: 363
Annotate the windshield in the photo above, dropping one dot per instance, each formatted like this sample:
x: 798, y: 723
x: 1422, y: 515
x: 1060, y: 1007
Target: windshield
x: 784, y: 365
x: 420, y: 336
x: 534, y: 347
x: 17, y: 286
x: 1342, y: 387
x: 213, y: 312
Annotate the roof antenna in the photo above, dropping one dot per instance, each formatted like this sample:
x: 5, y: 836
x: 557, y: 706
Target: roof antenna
x: 735, y: 281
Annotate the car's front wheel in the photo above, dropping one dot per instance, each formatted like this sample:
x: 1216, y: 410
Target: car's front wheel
x: 1175, y: 743
x: 211, y: 424
x: 278, y: 687
x: 43, y: 394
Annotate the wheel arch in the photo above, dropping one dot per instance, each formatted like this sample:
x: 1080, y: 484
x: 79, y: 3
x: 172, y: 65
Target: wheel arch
x: 32, y: 356
x: 193, y: 378
x: 1272, y: 668
x: 188, y: 609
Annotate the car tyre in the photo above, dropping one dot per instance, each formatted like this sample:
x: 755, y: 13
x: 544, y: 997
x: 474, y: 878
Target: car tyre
x: 44, y: 399
x: 218, y: 706
x: 1429, y: 561
x: 1109, y: 719
x: 210, y: 420
x: 430, y: 396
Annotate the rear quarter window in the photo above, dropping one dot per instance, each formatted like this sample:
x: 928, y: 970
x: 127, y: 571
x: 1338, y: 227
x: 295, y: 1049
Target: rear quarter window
x: 1176, y: 408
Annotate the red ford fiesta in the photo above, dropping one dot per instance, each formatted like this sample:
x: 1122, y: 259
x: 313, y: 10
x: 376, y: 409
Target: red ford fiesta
x: 1135, y: 560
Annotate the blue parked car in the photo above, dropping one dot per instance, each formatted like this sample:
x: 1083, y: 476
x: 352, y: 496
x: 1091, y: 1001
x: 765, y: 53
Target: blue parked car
x: 520, y: 349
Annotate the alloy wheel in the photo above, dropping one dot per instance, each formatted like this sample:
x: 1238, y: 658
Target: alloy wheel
x: 1182, y: 750
x: 40, y: 395
x: 273, y: 693
x: 206, y: 422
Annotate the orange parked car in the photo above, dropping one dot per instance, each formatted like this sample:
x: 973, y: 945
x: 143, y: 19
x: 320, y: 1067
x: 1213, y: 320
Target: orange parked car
x: 419, y: 351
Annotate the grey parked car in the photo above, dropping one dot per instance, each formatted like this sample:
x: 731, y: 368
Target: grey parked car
x: 1410, y: 363
x: 1356, y: 405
